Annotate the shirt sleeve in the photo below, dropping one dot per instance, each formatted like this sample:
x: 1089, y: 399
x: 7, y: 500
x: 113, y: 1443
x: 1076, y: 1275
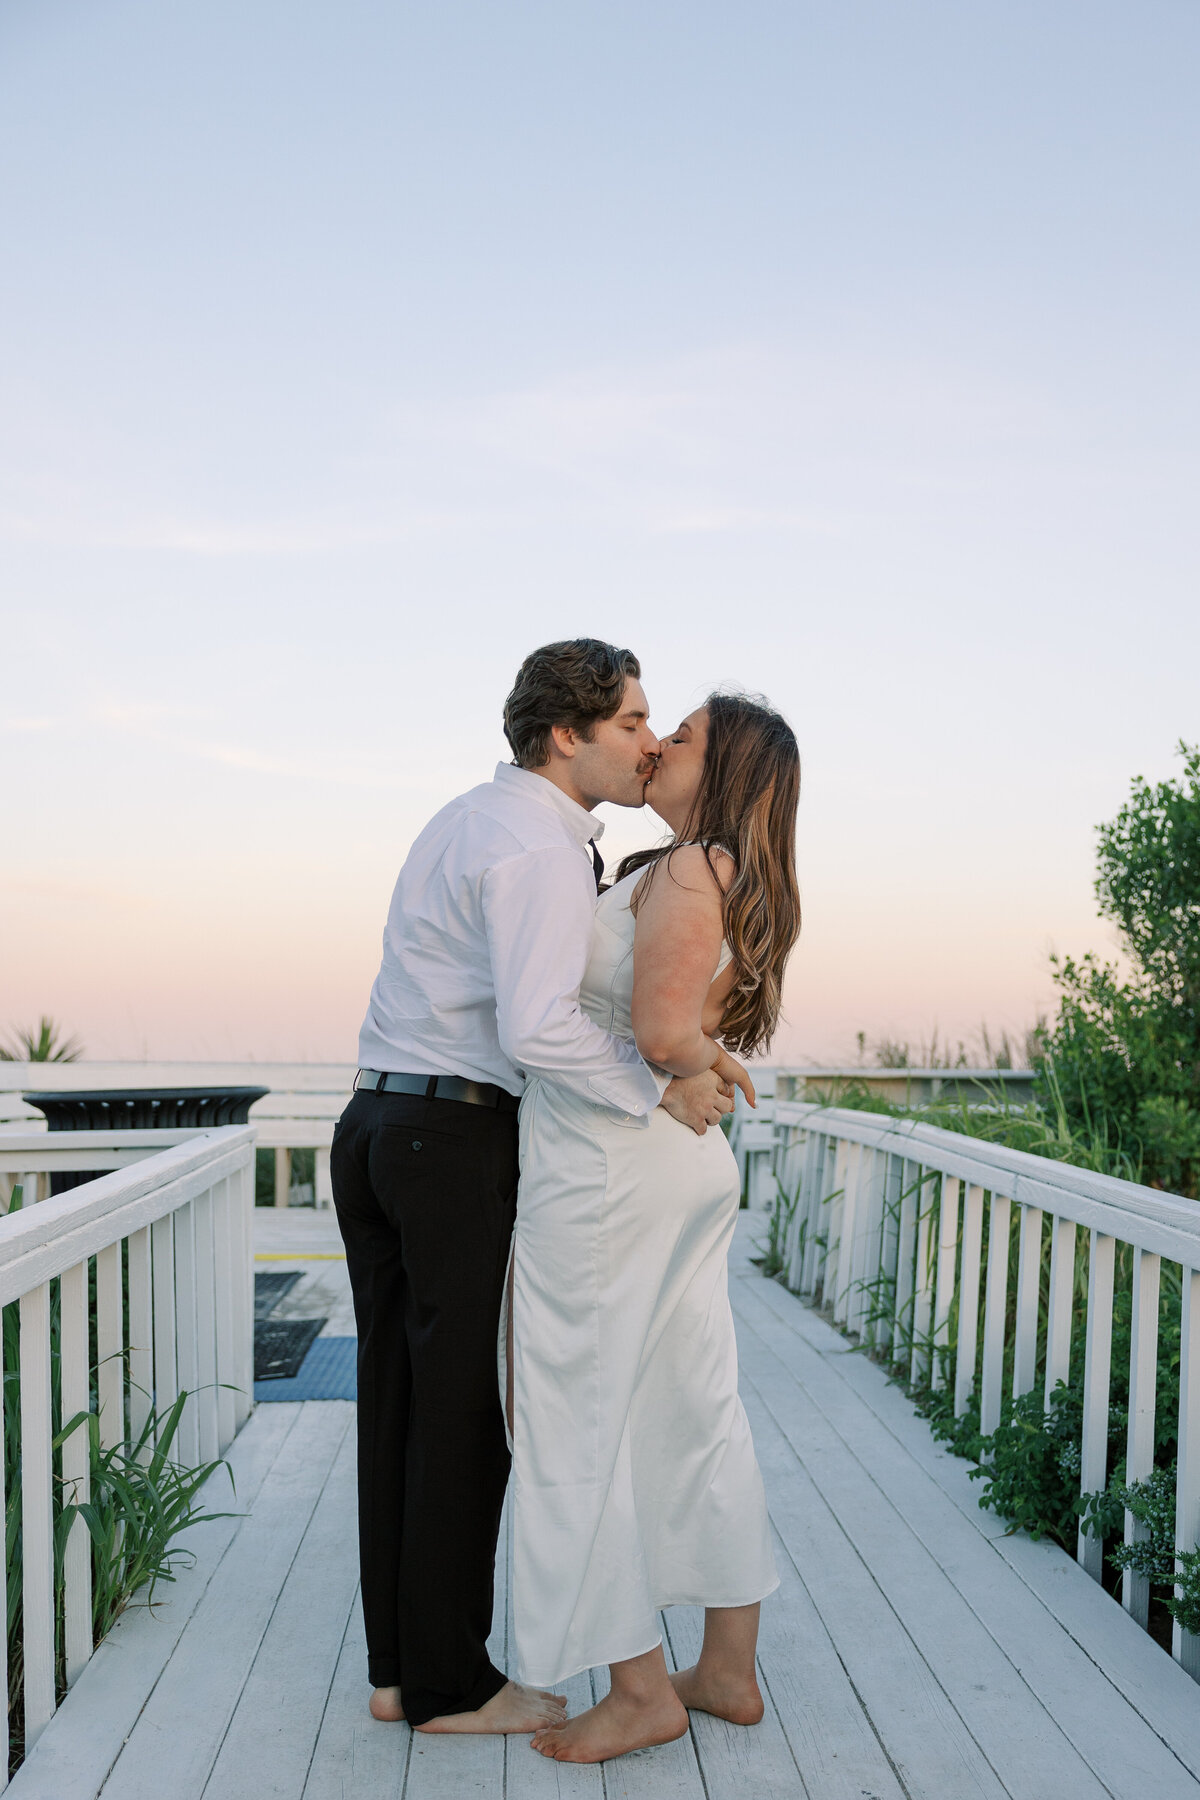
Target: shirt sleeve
x: 539, y: 909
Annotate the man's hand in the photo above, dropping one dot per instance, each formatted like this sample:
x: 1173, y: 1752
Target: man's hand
x: 698, y: 1100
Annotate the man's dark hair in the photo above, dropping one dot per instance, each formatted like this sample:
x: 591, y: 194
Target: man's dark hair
x: 575, y: 683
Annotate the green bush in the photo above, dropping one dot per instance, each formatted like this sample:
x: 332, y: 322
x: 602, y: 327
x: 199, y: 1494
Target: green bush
x: 1125, y: 1054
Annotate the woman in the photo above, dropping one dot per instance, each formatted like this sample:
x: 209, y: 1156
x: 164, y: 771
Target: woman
x: 634, y: 1479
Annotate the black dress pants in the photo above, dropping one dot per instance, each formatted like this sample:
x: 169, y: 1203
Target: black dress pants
x: 426, y: 1194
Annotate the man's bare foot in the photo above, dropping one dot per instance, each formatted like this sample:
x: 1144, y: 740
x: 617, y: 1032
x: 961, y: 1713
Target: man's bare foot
x: 385, y: 1704
x: 738, y: 1701
x: 616, y: 1725
x: 514, y: 1708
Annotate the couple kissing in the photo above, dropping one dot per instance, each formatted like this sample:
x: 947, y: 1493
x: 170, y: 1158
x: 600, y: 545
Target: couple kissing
x: 537, y: 1216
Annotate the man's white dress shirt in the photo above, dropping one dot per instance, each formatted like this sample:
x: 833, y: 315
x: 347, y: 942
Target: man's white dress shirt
x: 485, y: 946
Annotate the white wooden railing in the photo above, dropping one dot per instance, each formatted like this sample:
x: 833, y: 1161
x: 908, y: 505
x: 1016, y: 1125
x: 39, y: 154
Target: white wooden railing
x: 169, y: 1228
x: 888, y: 1225
x: 299, y: 1113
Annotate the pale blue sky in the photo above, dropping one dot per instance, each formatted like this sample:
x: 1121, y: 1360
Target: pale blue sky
x: 846, y: 351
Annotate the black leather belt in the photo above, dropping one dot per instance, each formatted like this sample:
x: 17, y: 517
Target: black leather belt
x: 437, y: 1087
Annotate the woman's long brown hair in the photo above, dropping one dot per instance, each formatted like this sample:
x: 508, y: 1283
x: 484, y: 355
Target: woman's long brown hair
x: 746, y: 804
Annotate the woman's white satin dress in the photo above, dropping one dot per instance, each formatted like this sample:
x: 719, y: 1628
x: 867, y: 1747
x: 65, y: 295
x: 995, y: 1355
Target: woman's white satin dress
x: 635, y: 1484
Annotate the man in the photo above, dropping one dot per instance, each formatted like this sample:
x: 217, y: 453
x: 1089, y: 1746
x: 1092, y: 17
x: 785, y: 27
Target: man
x: 485, y: 946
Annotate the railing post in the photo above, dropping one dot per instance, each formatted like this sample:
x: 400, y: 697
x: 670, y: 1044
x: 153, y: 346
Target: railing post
x: 1061, y: 1303
x: 851, y: 1164
x: 76, y: 1465
x: 322, y: 1180
x: 206, y: 1328
x: 141, y: 1337
x: 1097, y: 1357
x: 944, y: 1293
x: 110, y: 1346
x: 1029, y: 1282
x: 283, y: 1176
x: 814, y: 1253
x: 995, y: 1311
x: 1185, y: 1645
x: 4, y: 1580
x: 243, y: 1196
x: 187, y: 1442
x: 1143, y: 1382
x: 968, y: 1298
x: 906, y: 1243
x: 166, y: 1370
x: 37, y: 1542
x: 922, y: 1339
x: 226, y: 1244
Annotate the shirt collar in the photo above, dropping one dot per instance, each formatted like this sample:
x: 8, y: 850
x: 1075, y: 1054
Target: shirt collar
x: 582, y: 824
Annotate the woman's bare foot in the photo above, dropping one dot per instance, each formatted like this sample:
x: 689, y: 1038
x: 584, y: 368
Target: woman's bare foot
x: 738, y: 1701
x: 514, y: 1708
x: 619, y: 1723
x: 385, y: 1704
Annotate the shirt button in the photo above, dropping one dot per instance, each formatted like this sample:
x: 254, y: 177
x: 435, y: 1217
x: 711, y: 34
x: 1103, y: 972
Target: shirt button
x: 416, y: 1143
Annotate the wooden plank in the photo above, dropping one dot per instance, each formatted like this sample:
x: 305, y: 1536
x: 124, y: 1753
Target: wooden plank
x: 832, y: 1738
x: 110, y: 1345
x: 356, y: 1757
x: 1143, y: 1384
x: 272, y: 1734
x: 995, y: 1310
x: 76, y: 1467
x: 37, y: 1544
x: 1024, y: 1747
x: 74, y: 1755
x: 1126, y: 1708
x: 1097, y: 1366
x: 735, y: 1760
x: 1161, y: 1695
x: 175, y: 1742
x: 932, y: 1751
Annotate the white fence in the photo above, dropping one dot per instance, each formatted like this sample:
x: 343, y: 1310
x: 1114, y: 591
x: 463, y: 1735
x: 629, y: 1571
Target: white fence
x: 168, y: 1230
x: 299, y: 1112
x: 906, y: 1232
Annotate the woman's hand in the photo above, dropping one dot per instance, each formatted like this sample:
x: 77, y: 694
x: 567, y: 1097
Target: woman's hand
x: 730, y: 1070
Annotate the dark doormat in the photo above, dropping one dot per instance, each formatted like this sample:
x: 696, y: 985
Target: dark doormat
x: 280, y: 1346
x: 269, y: 1289
x: 327, y: 1373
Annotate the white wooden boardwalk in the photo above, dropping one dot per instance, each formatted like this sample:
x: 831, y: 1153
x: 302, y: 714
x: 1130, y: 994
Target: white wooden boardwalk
x: 913, y: 1650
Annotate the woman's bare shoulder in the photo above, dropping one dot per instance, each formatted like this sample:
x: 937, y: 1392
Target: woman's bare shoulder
x: 693, y: 866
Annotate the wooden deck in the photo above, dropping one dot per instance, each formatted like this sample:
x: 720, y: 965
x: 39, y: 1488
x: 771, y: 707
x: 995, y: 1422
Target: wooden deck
x: 913, y: 1650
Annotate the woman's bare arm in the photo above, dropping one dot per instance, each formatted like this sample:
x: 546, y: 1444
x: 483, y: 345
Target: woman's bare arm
x: 677, y: 946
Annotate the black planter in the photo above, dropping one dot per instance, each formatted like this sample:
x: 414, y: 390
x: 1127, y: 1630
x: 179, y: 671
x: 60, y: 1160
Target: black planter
x: 139, y: 1109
